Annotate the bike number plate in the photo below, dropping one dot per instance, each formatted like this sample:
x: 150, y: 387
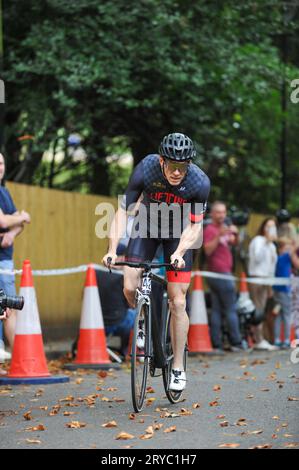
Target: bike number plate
x: 146, y: 286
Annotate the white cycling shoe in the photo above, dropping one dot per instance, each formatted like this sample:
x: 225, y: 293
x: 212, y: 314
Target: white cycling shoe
x: 178, y: 380
x: 140, y: 337
x: 4, y: 355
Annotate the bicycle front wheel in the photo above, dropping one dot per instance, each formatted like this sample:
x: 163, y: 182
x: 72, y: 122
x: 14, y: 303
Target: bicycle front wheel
x: 140, y: 356
x: 173, y: 397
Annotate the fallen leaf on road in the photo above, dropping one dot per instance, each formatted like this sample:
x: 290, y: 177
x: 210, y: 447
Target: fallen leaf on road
x: 28, y: 416
x: 220, y: 417
x: 118, y: 400
x: 185, y: 412
x: 274, y: 436
x: 230, y: 445
x: 250, y: 396
x: 275, y: 417
x: 241, y: 422
x: 39, y: 392
x: 223, y: 424
x: 262, y: 446
x: 288, y: 435
x: 55, y: 410
x: 293, y: 399
x: 292, y: 445
x: 214, y: 403
x: 196, y: 405
x: 157, y: 427
x: 33, y: 441
x: 132, y: 416
x: 146, y: 436
x: 69, y: 413
x: 150, y: 390
x: 265, y: 390
x: 171, y: 429
x: 149, y: 430
x: 40, y: 427
x: 75, y: 425
x: 284, y: 425
x: 258, y: 431
x: 217, y: 388
x: 149, y: 401
x: 124, y: 436
x: 68, y: 398
x: 79, y: 381
x: 102, y: 374
x: 111, y: 424
x: 278, y: 365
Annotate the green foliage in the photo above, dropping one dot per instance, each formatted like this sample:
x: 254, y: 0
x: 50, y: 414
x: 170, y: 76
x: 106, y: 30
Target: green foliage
x: 124, y: 73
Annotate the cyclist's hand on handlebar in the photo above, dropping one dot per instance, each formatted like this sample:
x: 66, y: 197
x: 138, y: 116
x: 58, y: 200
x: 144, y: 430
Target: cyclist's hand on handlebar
x: 109, y: 259
x: 177, y: 261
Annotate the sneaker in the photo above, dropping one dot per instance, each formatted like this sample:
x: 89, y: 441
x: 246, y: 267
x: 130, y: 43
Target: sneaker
x: 178, y: 380
x: 264, y: 345
x: 219, y: 351
x: 141, y: 335
x: 4, y: 355
x: 236, y: 349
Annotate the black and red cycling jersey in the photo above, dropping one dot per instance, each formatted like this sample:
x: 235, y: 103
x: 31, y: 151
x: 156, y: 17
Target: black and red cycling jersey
x: 149, y: 182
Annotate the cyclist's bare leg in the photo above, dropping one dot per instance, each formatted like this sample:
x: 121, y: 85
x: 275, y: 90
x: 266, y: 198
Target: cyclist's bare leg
x: 179, y: 321
x: 131, y: 282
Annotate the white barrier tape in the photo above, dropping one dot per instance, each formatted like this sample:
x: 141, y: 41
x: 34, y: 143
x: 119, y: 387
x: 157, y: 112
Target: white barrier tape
x: 264, y: 281
x: 269, y: 281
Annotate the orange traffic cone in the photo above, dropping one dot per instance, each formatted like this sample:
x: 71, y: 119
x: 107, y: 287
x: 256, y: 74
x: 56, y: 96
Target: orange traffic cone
x: 28, y: 364
x: 92, y: 349
x: 199, y: 336
x: 292, y: 336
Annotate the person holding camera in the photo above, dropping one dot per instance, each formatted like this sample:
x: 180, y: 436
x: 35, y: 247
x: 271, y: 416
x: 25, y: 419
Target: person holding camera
x: 219, y: 237
x: 262, y: 263
x: 11, y: 224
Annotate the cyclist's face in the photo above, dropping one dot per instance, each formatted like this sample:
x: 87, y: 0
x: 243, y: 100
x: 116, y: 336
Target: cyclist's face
x: 174, y: 171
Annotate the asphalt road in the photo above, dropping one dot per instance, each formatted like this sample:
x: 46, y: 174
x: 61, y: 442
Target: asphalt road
x: 240, y: 400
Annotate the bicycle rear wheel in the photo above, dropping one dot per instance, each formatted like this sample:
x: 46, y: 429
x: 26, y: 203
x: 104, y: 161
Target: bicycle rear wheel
x: 173, y: 397
x: 140, y: 357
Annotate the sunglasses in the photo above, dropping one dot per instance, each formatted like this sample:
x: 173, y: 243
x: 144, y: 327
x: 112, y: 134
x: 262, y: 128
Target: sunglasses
x: 182, y: 167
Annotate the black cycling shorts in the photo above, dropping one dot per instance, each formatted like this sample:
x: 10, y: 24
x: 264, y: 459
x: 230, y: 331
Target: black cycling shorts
x: 144, y: 249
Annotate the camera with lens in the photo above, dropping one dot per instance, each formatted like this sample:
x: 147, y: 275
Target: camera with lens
x: 239, y: 217
x: 14, y: 302
x: 248, y: 315
x: 283, y: 216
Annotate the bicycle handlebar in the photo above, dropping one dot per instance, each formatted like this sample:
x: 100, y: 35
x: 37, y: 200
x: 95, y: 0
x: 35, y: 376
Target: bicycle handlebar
x: 143, y: 264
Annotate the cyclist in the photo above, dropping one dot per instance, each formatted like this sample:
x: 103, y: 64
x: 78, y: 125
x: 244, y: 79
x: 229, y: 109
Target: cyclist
x: 166, y: 179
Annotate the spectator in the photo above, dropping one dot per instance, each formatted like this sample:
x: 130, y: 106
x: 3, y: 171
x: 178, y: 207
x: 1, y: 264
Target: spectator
x: 262, y: 263
x: 282, y: 294
x: 218, y: 239
x: 11, y: 224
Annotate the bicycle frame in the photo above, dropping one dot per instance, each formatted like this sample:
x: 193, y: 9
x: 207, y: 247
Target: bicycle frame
x: 144, y: 293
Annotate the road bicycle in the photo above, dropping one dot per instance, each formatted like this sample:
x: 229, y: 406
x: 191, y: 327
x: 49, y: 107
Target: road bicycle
x: 156, y: 352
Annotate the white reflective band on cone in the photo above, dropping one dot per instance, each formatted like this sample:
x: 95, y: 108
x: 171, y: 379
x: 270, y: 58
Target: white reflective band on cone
x: 28, y: 319
x: 91, y: 313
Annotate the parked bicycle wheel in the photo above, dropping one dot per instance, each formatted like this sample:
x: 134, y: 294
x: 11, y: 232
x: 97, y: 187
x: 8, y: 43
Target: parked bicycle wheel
x: 173, y: 397
x: 140, y: 355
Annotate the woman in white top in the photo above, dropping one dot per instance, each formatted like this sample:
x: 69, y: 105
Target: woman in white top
x: 262, y: 263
